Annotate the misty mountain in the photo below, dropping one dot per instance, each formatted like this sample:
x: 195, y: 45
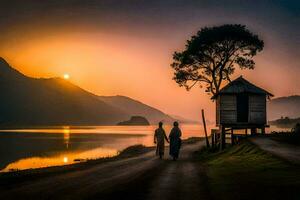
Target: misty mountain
x: 136, y: 108
x: 187, y: 121
x: 53, y: 101
x: 284, y: 107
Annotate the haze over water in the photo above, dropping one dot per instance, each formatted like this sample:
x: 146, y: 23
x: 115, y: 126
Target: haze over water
x: 35, y: 148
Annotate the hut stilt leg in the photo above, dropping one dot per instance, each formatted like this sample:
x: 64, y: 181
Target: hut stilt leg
x: 222, y: 142
x: 253, y: 131
x: 232, y: 137
x: 213, y: 139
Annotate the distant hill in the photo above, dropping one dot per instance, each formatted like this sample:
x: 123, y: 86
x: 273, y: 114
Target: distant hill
x: 27, y: 101
x: 284, y: 107
x: 133, y: 107
x: 285, y: 122
x: 135, y: 121
x: 54, y: 101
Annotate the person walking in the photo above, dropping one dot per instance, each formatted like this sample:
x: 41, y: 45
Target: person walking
x: 175, y: 141
x: 159, y: 140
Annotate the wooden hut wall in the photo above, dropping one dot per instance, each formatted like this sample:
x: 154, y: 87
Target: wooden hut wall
x: 257, y: 109
x: 227, y: 109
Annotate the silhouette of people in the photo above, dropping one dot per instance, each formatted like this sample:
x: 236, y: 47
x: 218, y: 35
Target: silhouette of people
x: 175, y: 141
x: 159, y: 140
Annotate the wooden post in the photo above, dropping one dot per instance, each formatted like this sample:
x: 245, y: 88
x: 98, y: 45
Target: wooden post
x: 205, y: 131
x: 253, y: 131
x: 217, y: 138
x: 232, y: 137
x: 222, y: 139
x: 212, y: 138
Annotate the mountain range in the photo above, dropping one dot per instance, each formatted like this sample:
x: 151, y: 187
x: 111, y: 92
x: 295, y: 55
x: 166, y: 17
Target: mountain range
x: 27, y: 101
x: 55, y: 101
x: 284, y: 107
x: 136, y: 108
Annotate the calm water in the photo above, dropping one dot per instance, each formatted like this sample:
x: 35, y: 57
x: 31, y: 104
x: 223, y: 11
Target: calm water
x: 35, y: 148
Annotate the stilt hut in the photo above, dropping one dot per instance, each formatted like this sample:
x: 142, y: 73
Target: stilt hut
x: 240, y: 105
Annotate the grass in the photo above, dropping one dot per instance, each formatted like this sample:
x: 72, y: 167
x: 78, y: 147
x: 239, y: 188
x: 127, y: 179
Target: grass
x: 246, y: 172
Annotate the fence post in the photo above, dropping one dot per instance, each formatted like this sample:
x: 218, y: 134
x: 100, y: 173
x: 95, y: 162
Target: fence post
x: 212, y: 138
x: 222, y: 138
x: 205, y: 131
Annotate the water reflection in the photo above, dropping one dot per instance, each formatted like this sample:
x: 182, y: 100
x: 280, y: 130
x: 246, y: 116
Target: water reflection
x: 57, y: 160
x: 23, y: 149
x: 65, y: 159
x: 34, y: 148
x: 66, y: 131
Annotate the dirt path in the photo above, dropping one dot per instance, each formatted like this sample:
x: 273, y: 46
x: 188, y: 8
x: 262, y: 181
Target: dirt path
x: 285, y: 151
x: 143, y: 177
x: 182, y: 179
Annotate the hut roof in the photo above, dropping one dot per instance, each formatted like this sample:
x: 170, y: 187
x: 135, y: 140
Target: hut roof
x: 241, y: 85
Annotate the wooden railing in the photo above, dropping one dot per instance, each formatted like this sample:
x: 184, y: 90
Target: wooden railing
x: 215, y: 137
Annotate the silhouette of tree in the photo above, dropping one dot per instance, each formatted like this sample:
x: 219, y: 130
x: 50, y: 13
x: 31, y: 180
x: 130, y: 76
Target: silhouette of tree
x: 211, y: 56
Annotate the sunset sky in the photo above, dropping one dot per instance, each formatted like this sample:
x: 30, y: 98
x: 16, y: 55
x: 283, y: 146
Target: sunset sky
x: 124, y: 47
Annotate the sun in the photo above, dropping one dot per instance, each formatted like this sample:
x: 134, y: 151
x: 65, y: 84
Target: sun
x: 66, y: 76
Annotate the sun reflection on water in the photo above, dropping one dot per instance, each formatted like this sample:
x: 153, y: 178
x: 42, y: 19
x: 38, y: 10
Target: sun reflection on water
x: 54, y: 146
x: 68, y: 158
x: 84, y: 146
x: 66, y: 132
x: 65, y: 159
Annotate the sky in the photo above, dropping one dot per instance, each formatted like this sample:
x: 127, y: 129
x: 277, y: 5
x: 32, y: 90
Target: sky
x: 125, y: 47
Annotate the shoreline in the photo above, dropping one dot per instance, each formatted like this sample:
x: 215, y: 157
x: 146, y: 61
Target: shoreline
x: 14, y: 177
x: 133, y: 151
x: 138, y: 174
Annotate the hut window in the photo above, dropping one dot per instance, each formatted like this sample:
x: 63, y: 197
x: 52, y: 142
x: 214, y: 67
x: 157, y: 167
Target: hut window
x: 242, y: 107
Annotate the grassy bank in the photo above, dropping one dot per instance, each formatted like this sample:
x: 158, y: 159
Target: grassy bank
x: 246, y: 172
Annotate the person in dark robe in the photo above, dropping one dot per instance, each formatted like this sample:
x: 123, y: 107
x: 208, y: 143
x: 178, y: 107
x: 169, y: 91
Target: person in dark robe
x: 159, y: 140
x: 175, y: 141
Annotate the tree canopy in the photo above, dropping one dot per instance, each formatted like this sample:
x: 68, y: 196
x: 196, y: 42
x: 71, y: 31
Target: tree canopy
x: 211, y: 56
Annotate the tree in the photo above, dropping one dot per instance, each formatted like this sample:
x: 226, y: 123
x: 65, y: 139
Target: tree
x: 211, y: 56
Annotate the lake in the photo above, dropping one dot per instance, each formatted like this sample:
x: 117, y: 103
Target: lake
x: 35, y: 148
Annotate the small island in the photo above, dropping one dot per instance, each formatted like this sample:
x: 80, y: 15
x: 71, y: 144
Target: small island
x: 135, y: 121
